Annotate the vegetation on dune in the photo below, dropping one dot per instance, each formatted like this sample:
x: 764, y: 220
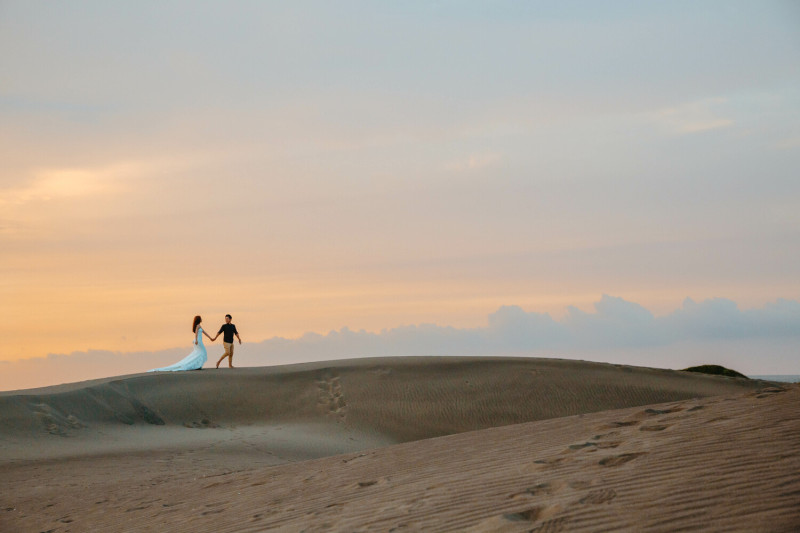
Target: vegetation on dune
x: 716, y: 370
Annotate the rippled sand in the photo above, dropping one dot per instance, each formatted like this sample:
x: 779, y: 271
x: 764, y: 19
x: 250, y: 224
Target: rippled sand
x: 416, y: 444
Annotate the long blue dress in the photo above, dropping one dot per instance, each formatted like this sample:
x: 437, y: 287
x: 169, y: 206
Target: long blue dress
x: 193, y: 361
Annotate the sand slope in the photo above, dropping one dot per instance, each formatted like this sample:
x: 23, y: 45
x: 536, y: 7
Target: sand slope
x: 717, y: 456
x: 357, y: 403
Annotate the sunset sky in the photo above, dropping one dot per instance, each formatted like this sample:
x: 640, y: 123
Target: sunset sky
x: 311, y: 166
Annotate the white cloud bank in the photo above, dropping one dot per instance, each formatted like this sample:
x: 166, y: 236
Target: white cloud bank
x: 754, y: 341
x: 615, y: 324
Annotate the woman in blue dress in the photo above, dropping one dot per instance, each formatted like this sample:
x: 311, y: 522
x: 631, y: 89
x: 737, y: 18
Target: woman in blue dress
x: 196, y: 359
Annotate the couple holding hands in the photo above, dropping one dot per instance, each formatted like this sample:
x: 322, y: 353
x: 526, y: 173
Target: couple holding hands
x: 198, y: 357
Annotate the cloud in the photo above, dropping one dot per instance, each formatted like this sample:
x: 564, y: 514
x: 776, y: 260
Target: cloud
x: 720, y: 318
x: 615, y: 322
x: 617, y: 331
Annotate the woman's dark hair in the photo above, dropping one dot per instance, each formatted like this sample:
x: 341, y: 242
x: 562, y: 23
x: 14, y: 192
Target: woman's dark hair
x: 197, y: 320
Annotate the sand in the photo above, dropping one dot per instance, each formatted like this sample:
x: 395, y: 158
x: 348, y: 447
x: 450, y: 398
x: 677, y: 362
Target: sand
x: 415, y: 444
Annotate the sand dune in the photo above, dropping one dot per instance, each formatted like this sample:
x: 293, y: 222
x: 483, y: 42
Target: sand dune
x: 377, y: 401
x: 233, y: 450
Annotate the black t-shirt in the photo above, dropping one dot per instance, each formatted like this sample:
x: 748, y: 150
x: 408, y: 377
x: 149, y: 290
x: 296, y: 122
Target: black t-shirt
x: 229, y: 330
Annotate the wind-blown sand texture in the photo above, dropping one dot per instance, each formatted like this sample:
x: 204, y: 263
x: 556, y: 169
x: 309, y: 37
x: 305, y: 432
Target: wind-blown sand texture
x: 231, y: 450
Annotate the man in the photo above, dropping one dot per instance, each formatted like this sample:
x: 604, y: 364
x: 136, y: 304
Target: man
x: 228, y: 330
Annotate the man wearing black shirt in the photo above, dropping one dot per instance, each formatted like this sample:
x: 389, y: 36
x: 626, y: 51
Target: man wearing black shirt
x: 228, y: 330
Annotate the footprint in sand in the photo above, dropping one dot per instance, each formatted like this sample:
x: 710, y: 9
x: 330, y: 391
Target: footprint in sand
x: 540, y: 464
x: 608, y: 445
x: 536, y: 513
x: 583, y: 445
x: 579, y: 484
x: 212, y: 510
x: 139, y: 508
x: 596, y: 443
x: 204, y: 423
x: 554, y: 525
x: 663, y: 411
x: 624, y: 424
x: 355, y: 458
x: 767, y: 392
x: 599, y: 496
x: 54, y: 421
x: 528, y: 515
x: 654, y: 427
x: 537, y: 490
x: 646, y: 413
x: 618, y: 424
x: 617, y: 460
x: 541, y: 518
x: 331, y: 398
x: 260, y: 516
x: 371, y: 482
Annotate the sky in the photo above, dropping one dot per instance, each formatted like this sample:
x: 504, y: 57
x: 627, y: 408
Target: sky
x: 359, y: 172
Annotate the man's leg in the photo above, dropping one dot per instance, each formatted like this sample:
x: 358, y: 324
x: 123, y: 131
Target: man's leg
x: 229, y: 351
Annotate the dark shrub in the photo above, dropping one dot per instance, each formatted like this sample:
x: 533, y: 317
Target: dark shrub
x: 715, y: 370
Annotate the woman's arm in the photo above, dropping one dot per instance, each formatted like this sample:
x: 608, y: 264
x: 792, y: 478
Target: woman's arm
x: 209, y: 336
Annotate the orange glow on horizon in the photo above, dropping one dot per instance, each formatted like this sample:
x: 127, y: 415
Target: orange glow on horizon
x: 61, y: 314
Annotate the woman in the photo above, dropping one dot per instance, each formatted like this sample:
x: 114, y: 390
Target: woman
x: 196, y: 359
